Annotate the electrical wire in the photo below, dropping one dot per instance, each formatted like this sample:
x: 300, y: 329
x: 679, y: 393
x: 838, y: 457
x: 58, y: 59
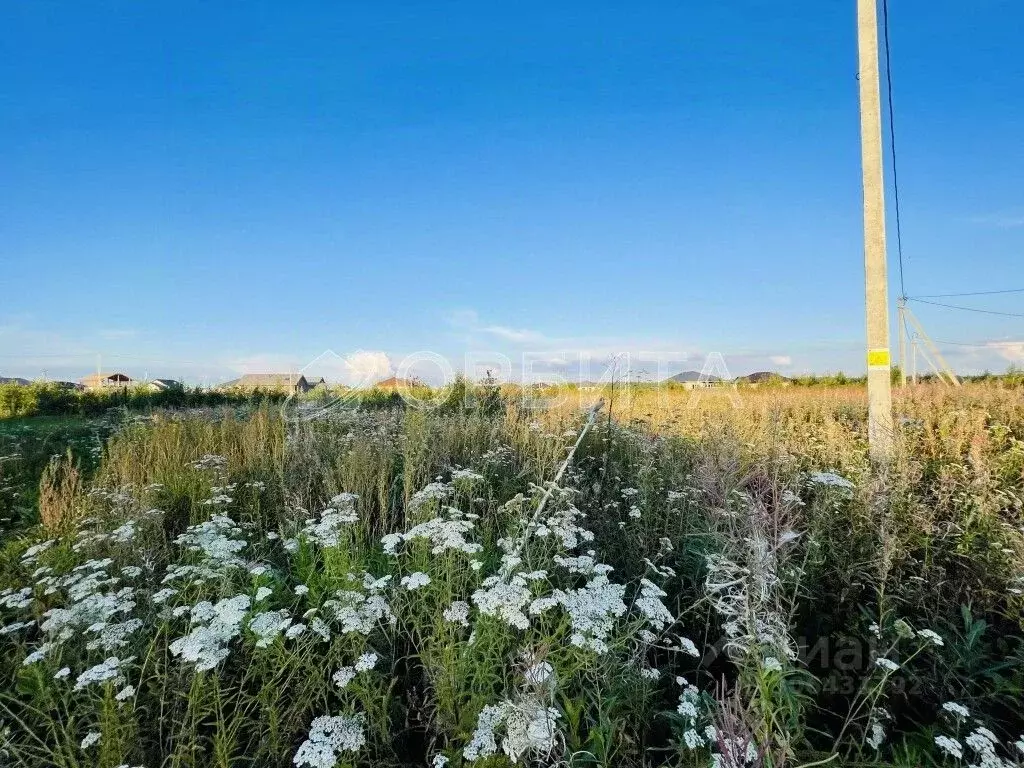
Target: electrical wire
x: 955, y: 295
x: 969, y: 309
x: 892, y: 144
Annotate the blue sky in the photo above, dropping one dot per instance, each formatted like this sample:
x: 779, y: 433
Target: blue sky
x: 197, y: 189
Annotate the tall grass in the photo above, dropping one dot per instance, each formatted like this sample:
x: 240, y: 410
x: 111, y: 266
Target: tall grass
x: 710, y: 582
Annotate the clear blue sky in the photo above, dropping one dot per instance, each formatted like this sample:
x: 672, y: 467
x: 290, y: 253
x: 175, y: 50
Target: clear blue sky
x: 194, y: 189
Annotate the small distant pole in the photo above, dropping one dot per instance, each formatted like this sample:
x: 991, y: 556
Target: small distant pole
x: 913, y: 353
x: 901, y: 328
x: 880, y: 425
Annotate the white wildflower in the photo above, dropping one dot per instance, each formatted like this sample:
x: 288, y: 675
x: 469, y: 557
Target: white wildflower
x: 125, y: 693
x: 931, y: 636
x: 366, y: 662
x: 91, y: 738
x: 530, y: 728
x: 329, y: 736
x: 957, y: 710
x: 415, y: 580
x: 686, y: 646
x: 268, y: 626
x: 887, y: 664
x: 213, y: 627
x: 484, y: 743
x: 344, y: 676
x: 950, y: 746
x: 390, y: 543
x: 262, y: 594
x: 109, y: 669
x: 457, y: 613
x: 830, y: 479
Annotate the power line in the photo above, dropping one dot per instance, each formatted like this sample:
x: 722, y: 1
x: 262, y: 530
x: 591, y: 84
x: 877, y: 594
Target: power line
x: 964, y: 344
x: 972, y: 293
x: 892, y: 143
x: 968, y: 309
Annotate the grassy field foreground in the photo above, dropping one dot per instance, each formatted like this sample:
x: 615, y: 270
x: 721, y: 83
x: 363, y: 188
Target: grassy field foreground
x: 712, y: 581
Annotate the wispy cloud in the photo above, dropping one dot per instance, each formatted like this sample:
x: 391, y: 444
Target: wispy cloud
x: 114, y: 334
x: 530, y: 353
x: 1000, y: 219
x: 519, y: 336
x: 1008, y: 350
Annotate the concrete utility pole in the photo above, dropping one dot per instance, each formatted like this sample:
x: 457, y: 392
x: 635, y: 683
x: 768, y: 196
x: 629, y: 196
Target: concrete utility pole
x: 876, y: 277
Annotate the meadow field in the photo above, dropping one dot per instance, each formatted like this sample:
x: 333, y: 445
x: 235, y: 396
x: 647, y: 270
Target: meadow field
x: 609, y: 576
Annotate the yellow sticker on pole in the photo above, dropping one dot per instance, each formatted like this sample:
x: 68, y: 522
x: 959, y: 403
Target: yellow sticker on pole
x: 878, y: 358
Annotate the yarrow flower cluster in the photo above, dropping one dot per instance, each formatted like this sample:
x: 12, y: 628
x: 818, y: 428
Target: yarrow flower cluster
x: 111, y: 668
x: 530, y: 728
x: 457, y: 613
x: 213, y: 627
x: 327, y: 530
x: 359, y: 613
x: 830, y: 479
x: 328, y: 737
x: 268, y: 626
x: 415, y: 580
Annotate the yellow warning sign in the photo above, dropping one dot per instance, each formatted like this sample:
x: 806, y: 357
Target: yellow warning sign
x: 878, y: 358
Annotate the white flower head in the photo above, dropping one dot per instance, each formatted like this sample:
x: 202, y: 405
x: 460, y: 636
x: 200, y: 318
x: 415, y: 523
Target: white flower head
x: 959, y: 711
x: 366, y: 662
x: 950, y: 746
x: 933, y: 637
x: 457, y: 613
x: 328, y: 737
x: 415, y: 580
x: 344, y: 676
x: 887, y: 664
x: 125, y: 693
x: 92, y: 737
x: 262, y: 594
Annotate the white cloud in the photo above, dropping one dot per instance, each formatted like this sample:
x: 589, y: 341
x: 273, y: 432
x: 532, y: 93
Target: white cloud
x: 367, y: 367
x: 356, y: 369
x: 781, y: 359
x: 519, y: 336
x: 1000, y: 220
x: 1008, y: 350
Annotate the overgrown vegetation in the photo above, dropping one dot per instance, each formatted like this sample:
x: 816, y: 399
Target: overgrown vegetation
x: 710, y: 581
x: 52, y: 399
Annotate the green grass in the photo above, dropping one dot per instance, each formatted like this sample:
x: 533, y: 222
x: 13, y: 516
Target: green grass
x: 28, y: 445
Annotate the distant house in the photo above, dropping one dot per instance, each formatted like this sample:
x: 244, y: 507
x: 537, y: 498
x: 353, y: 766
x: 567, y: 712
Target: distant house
x: 695, y: 380
x: 396, y: 383
x: 764, y: 377
x: 290, y: 383
x: 106, y: 381
x: 162, y: 385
